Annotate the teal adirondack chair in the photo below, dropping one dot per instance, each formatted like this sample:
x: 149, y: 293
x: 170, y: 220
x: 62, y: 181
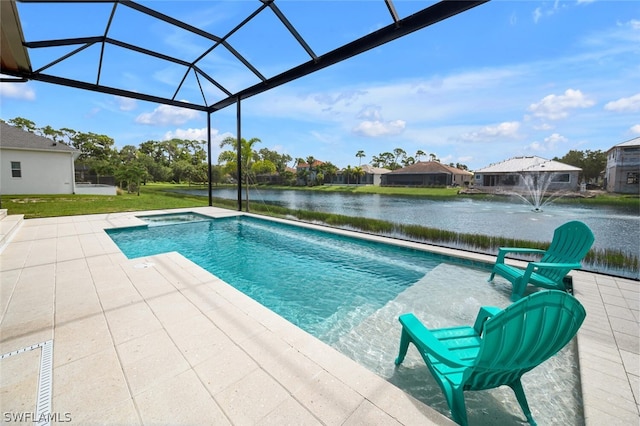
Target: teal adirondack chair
x: 500, y: 347
x: 571, y: 243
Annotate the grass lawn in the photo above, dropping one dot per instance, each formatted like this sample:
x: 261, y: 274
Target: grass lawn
x: 152, y: 197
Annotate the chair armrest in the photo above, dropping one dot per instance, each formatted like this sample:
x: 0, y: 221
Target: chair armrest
x: 534, y: 266
x: 428, y: 344
x: 546, y: 265
x: 484, y: 314
x: 502, y: 251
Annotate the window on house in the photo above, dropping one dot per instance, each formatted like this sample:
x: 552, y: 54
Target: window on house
x: 510, y: 180
x: 16, y: 170
x: 562, y: 177
x: 633, y: 178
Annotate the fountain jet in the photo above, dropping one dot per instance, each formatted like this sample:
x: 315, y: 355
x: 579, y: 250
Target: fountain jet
x: 533, y: 189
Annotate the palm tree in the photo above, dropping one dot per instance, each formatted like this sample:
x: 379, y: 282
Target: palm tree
x: 327, y: 170
x: 348, y: 170
x: 358, y: 172
x: 408, y: 161
x: 310, y: 160
x: 399, y: 154
x: 420, y: 153
x: 248, y: 156
x: 360, y: 154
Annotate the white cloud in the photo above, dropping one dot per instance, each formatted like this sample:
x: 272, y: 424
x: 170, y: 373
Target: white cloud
x: 537, y: 14
x: 630, y: 104
x: 125, y: 104
x: 167, y: 115
x: 507, y: 129
x: 552, y: 141
x: 555, y: 107
x: 17, y: 91
x: 379, y: 128
x: 549, y: 144
x: 373, y: 124
x: 546, y: 10
x: 196, y: 135
x: 635, y: 129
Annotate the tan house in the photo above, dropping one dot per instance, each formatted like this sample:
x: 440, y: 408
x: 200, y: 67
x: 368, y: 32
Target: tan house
x: 371, y: 176
x: 622, y: 174
x: 427, y: 173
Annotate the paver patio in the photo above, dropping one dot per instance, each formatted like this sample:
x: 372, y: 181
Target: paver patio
x: 159, y: 340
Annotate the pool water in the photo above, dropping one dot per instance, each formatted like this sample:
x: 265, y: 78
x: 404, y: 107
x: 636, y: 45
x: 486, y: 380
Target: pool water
x: 349, y: 293
x: 287, y: 268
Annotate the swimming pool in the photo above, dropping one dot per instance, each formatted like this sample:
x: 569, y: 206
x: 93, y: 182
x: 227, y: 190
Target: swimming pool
x: 349, y: 292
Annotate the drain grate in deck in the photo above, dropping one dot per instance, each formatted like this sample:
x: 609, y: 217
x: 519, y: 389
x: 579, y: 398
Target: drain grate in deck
x: 43, y: 401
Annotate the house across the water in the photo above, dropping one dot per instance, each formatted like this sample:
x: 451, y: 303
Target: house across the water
x: 520, y: 171
x: 427, y: 173
x: 623, y: 167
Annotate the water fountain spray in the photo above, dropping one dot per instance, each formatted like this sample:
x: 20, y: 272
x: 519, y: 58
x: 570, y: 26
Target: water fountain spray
x: 533, y: 189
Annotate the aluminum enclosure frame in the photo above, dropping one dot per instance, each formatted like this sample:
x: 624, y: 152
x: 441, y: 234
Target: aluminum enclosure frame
x: 16, y: 63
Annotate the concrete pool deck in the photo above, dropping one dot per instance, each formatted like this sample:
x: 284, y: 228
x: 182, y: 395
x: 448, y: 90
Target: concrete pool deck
x: 158, y: 340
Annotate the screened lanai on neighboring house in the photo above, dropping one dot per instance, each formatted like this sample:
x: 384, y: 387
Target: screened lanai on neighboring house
x: 32, y: 164
x: 514, y: 171
x: 203, y: 81
x: 428, y: 173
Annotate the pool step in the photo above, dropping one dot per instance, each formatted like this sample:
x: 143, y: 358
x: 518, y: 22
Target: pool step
x: 9, y: 224
x: 446, y: 296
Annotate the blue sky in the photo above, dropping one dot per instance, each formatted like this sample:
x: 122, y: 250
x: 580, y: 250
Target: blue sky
x: 504, y: 79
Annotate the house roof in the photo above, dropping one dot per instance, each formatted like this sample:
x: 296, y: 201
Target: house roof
x: 16, y: 138
x: 316, y: 163
x: 430, y: 167
x: 375, y: 170
x: 528, y: 164
x: 631, y: 142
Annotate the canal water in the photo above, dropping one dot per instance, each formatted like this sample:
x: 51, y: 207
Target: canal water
x: 613, y: 227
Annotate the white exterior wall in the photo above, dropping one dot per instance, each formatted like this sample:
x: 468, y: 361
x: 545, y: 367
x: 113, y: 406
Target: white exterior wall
x: 95, y: 189
x: 42, y: 172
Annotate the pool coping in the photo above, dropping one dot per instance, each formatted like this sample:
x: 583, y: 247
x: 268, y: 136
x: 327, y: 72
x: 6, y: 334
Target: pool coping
x: 72, y: 256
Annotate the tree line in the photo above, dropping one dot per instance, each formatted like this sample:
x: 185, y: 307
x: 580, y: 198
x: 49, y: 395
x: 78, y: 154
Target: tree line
x: 185, y: 161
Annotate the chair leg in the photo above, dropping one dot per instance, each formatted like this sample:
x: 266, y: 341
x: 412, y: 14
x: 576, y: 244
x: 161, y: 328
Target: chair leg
x: 455, y: 399
x: 493, y: 274
x: 518, y: 289
x: 522, y: 399
x: 405, y: 339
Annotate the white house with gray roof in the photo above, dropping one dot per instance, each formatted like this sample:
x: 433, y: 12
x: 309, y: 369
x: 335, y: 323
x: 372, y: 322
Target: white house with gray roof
x: 513, y: 173
x: 32, y: 164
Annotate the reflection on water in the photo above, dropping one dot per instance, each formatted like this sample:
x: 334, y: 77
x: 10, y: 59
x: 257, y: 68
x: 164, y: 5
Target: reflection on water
x: 614, y: 228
